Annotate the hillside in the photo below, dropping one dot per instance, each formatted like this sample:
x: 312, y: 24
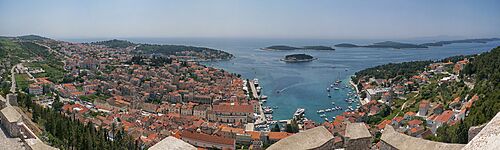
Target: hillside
x: 115, y: 43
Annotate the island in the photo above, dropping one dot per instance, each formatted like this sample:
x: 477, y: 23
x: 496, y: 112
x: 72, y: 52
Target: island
x: 398, y: 45
x: 284, y: 47
x: 294, y: 58
x: 442, y: 43
x: 385, y: 44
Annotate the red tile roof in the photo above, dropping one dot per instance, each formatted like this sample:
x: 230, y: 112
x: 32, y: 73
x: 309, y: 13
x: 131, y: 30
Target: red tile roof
x: 398, y: 119
x: 207, y: 138
x: 414, y: 122
x: 382, y: 125
x: 445, y: 117
x: 233, y: 108
x: 278, y: 135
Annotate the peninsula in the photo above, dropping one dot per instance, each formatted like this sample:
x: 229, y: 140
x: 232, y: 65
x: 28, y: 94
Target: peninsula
x: 192, y: 53
x: 284, y: 47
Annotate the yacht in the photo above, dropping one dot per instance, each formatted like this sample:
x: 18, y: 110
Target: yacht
x: 256, y: 82
x: 299, y: 112
x: 328, y: 89
x: 321, y: 111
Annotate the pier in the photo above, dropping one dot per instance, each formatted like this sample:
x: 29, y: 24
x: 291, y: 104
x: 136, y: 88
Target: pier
x: 254, y: 89
x: 362, y: 101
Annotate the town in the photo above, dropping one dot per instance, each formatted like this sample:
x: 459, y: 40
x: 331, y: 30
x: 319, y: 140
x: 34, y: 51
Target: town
x: 156, y: 99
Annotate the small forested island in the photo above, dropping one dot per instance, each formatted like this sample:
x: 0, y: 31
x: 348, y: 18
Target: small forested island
x: 190, y: 53
x: 298, y: 58
x: 284, y: 47
x: 398, y: 45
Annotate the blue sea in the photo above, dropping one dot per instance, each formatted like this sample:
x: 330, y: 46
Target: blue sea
x: 303, y: 85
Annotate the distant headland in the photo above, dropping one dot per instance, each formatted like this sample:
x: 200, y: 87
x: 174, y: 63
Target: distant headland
x: 399, y: 45
x: 284, y: 47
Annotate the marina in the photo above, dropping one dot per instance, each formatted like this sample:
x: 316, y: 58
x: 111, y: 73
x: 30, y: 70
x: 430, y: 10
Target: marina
x: 304, y: 85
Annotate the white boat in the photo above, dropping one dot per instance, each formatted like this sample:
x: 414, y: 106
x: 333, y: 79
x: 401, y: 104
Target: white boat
x: 299, y: 112
x: 263, y: 97
x: 336, y: 88
x: 321, y: 111
x: 333, y: 103
x: 328, y: 110
x: 256, y: 82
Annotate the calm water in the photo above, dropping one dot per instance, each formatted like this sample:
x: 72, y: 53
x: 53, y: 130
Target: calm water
x: 304, y: 85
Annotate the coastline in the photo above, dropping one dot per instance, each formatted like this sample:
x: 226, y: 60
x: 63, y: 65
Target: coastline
x: 363, y: 102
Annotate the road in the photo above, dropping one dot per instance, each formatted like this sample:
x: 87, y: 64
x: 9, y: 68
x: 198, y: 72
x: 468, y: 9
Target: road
x: 13, y: 79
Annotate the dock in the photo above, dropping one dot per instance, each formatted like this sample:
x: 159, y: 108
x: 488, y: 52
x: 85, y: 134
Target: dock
x: 254, y: 90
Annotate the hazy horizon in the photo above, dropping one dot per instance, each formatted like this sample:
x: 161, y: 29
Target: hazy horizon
x: 291, y: 19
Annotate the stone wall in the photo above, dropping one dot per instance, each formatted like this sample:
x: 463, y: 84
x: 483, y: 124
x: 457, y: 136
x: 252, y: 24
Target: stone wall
x: 358, y: 144
x: 473, y: 131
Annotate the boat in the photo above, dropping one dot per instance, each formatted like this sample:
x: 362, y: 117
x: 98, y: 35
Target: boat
x: 336, y: 88
x: 321, y: 111
x: 328, y: 89
x: 322, y: 115
x: 275, y: 107
x: 256, y: 82
x: 268, y: 111
x: 333, y: 117
x: 328, y: 110
x: 299, y: 112
x: 333, y: 103
x: 263, y: 97
x: 326, y: 119
x: 329, y: 96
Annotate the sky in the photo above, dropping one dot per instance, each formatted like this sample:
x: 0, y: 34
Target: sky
x: 306, y: 19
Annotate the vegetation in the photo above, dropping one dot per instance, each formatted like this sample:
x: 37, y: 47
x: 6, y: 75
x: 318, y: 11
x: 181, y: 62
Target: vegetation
x: 293, y: 127
x: 386, y: 44
x: 181, y: 50
x: 93, y: 97
x: 391, y: 70
x: 441, y: 43
x: 298, y: 58
x: 485, y: 70
x: 54, y: 71
x: 67, y: 132
x: 152, y: 61
x: 32, y: 37
x: 284, y: 47
x: 115, y: 43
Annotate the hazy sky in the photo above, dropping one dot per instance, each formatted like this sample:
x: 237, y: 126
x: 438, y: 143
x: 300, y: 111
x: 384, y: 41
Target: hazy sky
x: 325, y: 19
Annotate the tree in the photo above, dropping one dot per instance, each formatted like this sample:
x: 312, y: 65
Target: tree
x: 293, y: 127
x: 276, y: 128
